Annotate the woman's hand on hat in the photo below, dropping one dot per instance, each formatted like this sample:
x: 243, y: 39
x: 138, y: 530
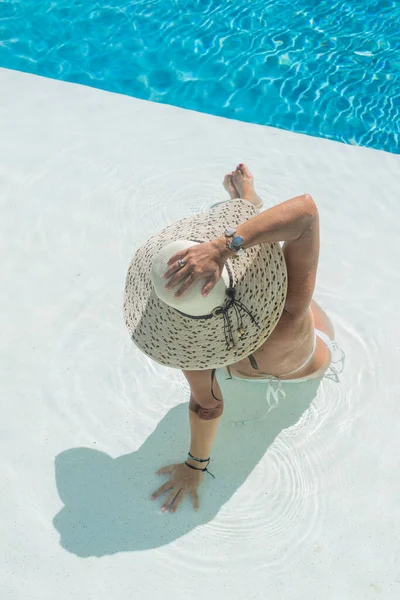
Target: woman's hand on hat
x: 183, y: 480
x: 203, y: 261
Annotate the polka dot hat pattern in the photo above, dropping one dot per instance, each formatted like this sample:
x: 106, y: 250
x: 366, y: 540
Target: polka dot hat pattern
x: 175, y: 340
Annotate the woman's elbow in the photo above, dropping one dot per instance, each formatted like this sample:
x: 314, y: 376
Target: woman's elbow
x: 210, y: 413
x: 309, y: 207
x: 207, y: 410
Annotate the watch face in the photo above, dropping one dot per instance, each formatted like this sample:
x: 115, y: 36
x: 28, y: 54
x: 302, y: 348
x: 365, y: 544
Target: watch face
x: 230, y: 231
x: 237, y: 241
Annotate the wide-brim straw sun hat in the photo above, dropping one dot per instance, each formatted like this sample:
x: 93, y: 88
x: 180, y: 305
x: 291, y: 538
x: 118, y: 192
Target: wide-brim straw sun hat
x: 194, y: 332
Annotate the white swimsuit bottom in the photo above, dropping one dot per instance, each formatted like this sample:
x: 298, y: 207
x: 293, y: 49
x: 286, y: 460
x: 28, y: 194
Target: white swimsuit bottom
x: 275, y: 392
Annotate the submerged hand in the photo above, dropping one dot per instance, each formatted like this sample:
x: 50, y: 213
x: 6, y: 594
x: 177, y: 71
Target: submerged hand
x: 183, y: 480
x: 203, y: 261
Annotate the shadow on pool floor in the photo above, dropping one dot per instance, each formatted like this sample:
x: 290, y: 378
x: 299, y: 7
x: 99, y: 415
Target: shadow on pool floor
x: 107, y: 501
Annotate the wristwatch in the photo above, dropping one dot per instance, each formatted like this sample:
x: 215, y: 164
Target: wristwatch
x: 234, y: 242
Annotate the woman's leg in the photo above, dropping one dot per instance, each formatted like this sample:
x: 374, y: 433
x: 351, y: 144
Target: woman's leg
x: 240, y: 184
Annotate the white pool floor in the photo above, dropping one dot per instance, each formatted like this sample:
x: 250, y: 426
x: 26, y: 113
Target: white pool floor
x: 306, y: 502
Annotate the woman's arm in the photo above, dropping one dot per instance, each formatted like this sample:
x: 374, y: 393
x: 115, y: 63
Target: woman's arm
x: 284, y: 222
x: 204, y: 415
x: 294, y: 222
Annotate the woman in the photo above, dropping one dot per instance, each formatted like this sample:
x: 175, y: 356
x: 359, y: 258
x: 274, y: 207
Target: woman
x: 280, y: 331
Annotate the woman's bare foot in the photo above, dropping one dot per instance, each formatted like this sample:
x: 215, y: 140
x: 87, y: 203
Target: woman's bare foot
x: 243, y: 181
x: 230, y: 188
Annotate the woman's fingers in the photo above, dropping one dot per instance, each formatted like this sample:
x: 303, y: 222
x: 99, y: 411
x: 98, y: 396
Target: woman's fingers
x: 195, y: 498
x: 174, y: 259
x: 174, y: 268
x: 210, y: 283
x: 181, y: 483
x: 167, y: 469
x: 179, y: 497
x: 180, y: 275
x: 164, y: 488
x: 189, y: 281
x: 169, y: 500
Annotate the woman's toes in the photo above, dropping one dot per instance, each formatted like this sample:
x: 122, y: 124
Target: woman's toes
x: 238, y: 181
x: 227, y: 181
x: 229, y: 186
x: 246, y: 171
x: 237, y: 194
x: 243, y: 181
x: 237, y: 177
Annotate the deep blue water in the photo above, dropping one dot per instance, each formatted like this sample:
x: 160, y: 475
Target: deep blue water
x: 325, y: 68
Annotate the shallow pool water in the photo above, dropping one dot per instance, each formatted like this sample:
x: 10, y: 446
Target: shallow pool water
x: 306, y: 501
x: 329, y: 69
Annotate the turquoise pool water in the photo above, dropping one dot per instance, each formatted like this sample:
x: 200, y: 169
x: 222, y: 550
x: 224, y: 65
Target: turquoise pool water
x: 324, y: 68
